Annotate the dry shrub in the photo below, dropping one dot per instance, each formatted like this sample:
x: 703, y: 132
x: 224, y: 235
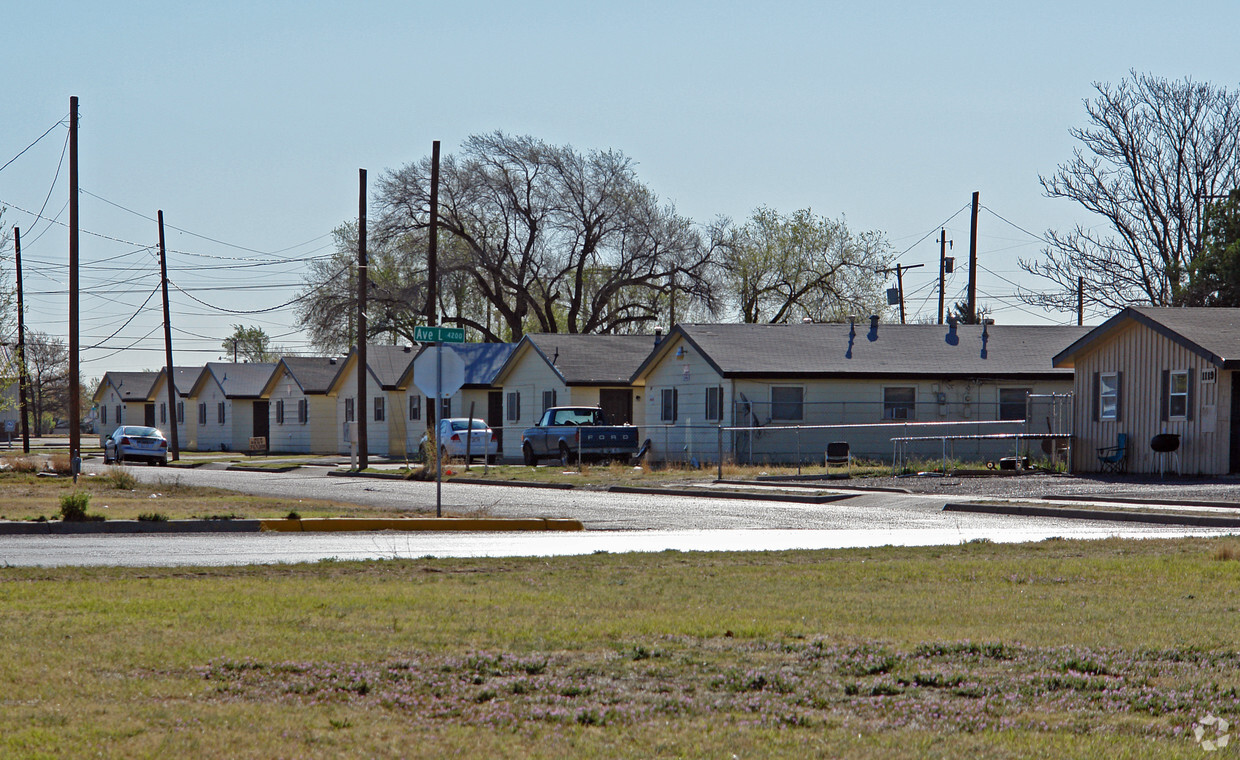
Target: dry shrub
x: 61, y: 464
x: 1227, y: 552
x: 24, y: 463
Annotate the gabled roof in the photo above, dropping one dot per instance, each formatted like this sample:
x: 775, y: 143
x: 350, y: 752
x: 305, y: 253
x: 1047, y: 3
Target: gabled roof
x: 822, y: 350
x: 184, y: 379
x: 313, y: 374
x: 1210, y: 332
x: 237, y: 380
x: 483, y: 361
x: 388, y: 365
x: 132, y: 386
x: 583, y: 359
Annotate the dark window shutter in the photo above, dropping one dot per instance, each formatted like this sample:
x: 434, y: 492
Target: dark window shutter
x: 1097, y: 400
x: 1191, y: 377
x: 1119, y: 396
x: 1165, y: 404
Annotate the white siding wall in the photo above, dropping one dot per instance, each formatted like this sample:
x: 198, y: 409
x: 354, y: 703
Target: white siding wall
x: 186, y: 429
x: 377, y: 438
x: 289, y: 435
x: 212, y: 435
x: 530, y: 378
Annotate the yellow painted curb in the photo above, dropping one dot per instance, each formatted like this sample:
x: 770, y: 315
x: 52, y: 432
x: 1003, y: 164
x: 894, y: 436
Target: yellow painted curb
x: 351, y: 524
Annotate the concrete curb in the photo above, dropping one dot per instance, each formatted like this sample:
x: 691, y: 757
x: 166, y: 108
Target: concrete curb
x: 707, y: 493
x: 239, y: 468
x: 805, y: 482
x: 1155, y: 518
x: 514, y: 483
x: 1134, y: 500
x: 488, y: 524
x: 61, y: 528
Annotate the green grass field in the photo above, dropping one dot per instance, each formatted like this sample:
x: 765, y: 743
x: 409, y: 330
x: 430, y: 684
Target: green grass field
x: 1055, y: 649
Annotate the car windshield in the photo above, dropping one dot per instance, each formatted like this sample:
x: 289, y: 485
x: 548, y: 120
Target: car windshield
x: 142, y: 432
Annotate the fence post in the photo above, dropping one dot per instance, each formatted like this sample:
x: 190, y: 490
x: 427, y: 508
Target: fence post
x: 798, y: 449
x: 720, y: 428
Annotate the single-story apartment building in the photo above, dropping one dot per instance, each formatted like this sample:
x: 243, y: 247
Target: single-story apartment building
x: 229, y: 406
x: 1151, y: 371
x: 124, y: 398
x: 546, y: 370
x: 389, y: 432
x: 870, y: 382
x: 301, y: 411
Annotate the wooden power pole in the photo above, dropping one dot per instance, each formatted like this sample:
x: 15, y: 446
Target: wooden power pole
x: 360, y: 410
x: 23, y: 377
x: 432, y: 248
x: 170, y: 377
x: 944, y: 268
x: 75, y: 390
x: 973, y: 261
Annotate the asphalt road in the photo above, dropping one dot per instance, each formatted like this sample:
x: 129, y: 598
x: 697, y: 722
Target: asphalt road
x: 615, y: 522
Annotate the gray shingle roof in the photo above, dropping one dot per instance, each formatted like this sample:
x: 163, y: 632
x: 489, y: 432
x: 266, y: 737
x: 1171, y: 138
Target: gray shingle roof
x: 594, y: 359
x: 1211, y: 332
x: 313, y: 374
x: 133, y: 385
x: 241, y: 380
x: 389, y: 363
x: 183, y: 379
x: 824, y: 350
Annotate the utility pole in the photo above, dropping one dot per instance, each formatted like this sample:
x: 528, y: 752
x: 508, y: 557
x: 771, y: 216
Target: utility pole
x: 945, y: 267
x: 23, y: 379
x: 75, y: 391
x: 432, y: 247
x: 360, y: 410
x: 1080, y: 301
x: 170, y: 378
x: 899, y: 269
x: 973, y: 261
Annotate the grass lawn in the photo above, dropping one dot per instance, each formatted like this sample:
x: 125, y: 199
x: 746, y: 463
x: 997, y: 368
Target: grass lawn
x: 1055, y: 649
x: 116, y: 495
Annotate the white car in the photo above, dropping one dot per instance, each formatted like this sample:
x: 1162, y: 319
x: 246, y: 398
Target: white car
x: 130, y: 442
x: 451, y: 436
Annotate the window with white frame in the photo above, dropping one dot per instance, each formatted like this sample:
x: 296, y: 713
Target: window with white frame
x: 1108, y: 396
x: 415, y: 407
x: 445, y: 408
x: 1012, y: 403
x: 548, y: 398
x: 219, y: 411
x: 1177, y: 398
x: 279, y: 411
x: 348, y: 410
x: 787, y: 403
x: 514, y: 406
x: 667, y: 404
x: 202, y: 414
x: 120, y: 414
x: 103, y: 414
x: 303, y: 411
x: 180, y: 412
x: 379, y: 409
x: 899, y: 403
x: 714, y: 402
x: 163, y: 413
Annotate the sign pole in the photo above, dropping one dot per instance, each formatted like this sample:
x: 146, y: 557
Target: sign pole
x: 438, y: 416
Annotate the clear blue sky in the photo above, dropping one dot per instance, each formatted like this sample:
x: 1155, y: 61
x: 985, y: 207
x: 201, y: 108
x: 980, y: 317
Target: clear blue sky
x: 246, y: 124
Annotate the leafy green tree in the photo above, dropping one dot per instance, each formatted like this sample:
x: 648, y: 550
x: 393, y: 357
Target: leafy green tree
x: 777, y: 268
x: 1215, y: 274
x: 250, y: 344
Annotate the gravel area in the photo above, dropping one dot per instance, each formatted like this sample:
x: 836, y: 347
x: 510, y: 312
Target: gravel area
x: 1042, y: 485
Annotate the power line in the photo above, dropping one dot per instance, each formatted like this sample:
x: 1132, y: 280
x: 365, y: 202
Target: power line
x: 936, y: 227
x: 36, y: 142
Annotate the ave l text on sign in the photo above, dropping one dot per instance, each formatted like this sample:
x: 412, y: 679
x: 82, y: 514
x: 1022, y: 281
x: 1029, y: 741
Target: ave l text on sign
x: 439, y: 334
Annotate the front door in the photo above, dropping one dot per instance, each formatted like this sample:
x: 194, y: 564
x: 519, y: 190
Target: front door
x: 495, y: 413
x: 148, y: 415
x: 1235, y: 422
x: 617, y: 404
x: 262, y: 425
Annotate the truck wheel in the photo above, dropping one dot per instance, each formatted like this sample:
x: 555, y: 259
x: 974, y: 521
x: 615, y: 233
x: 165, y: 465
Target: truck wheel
x: 566, y: 456
x: 527, y: 454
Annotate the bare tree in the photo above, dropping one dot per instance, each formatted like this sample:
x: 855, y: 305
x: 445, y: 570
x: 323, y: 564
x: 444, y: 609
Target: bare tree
x: 47, y: 361
x: 1154, y: 153
x: 779, y: 267
x: 551, y: 239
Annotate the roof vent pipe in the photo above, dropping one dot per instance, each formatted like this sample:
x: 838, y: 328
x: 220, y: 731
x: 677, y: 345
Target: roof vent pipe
x: 873, y: 321
x: 658, y: 335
